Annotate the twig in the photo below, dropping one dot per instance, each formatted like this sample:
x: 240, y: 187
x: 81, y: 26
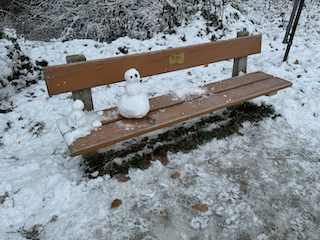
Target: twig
x: 1, y: 10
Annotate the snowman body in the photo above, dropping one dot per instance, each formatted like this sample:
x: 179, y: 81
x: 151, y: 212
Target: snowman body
x: 77, y: 117
x: 133, y: 103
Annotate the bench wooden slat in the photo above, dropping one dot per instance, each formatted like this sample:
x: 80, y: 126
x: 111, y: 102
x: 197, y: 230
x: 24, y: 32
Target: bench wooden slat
x: 78, y: 76
x: 211, y: 88
x: 128, y: 128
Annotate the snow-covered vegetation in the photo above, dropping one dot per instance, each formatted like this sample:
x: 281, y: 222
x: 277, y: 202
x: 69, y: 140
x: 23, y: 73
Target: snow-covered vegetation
x: 106, y: 20
x: 260, y: 183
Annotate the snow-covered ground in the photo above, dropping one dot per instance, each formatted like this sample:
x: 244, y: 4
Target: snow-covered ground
x: 262, y: 185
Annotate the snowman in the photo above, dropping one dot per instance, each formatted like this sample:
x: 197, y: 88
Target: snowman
x: 77, y: 117
x: 133, y: 103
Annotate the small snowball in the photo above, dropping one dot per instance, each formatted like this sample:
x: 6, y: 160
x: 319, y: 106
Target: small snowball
x: 241, y: 73
x: 95, y: 174
x: 97, y: 123
x: 78, y: 105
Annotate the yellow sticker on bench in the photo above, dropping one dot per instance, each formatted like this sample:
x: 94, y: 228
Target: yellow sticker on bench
x: 176, y: 58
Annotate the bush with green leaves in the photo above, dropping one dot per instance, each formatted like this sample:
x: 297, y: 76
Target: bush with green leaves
x: 18, y: 69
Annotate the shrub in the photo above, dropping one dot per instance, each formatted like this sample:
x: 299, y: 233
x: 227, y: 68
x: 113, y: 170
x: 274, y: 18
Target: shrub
x: 18, y: 69
x: 107, y: 20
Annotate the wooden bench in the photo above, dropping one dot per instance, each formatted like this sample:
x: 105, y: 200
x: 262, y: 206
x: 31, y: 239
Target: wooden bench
x: 165, y: 111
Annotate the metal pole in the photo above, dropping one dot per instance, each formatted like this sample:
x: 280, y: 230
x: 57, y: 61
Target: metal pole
x: 293, y: 30
x: 293, y: 14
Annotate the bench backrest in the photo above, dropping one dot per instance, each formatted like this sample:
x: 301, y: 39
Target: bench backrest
x: 83, y: 75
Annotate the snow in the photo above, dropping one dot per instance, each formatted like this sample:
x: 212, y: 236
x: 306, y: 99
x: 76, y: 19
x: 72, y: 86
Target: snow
x: 77, y: 117
x: 133, y: 103
x: 182, y: 93
x: 262, y: 185
x: 79, y: 123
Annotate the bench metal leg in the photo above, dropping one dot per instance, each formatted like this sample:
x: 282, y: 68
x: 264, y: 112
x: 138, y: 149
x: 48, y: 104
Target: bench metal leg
x: 272, y: 94
x: 90, y: 154
x: 107, y: 148
x: 96, y: 153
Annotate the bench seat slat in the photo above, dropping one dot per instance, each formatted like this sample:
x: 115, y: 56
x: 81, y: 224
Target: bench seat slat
x: 211, y: 88
x: 128, y: 128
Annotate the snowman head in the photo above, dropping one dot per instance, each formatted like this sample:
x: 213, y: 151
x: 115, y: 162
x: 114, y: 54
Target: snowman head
x: 132, y: 75
x: 78, y: 105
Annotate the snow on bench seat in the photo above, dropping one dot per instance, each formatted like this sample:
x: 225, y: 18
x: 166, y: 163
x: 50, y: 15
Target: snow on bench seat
x: 167, y: 110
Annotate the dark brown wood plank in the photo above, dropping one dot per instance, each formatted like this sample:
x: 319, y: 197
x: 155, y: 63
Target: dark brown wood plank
x: 129, y: 128
x: 77, y: 76
x: 211, y: 88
